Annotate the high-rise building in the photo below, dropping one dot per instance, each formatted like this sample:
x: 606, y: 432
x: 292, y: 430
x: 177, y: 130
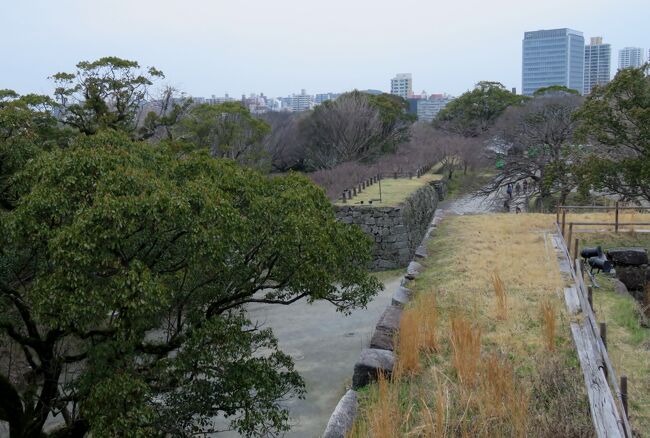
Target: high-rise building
x: 428, y: 109
x: 302, y: 101
x: 324, y: 97
x: 552, y: 57
x: 402, y: 85
x: 598, y: 61
x: 630, y: 57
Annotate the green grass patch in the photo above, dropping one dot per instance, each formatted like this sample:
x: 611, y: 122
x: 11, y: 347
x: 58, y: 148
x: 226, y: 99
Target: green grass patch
x: 628, y: 342
x: 394, y: 191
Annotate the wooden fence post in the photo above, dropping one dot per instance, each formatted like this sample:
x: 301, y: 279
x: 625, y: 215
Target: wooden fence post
x: 557, y: 214
x: 576, y: 254
x: 563, y: 222
x: 603, y: 333
x: 616, y: 219
x: 590, y: 297
x: 568, y: 238
x: 395, y: 175
x: 624, y: 393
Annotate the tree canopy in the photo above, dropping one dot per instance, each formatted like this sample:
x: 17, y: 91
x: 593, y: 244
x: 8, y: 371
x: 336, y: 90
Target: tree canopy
x: 104, y: 94
x: 355, y: 127
x: 539, y: 145
x: 473, y: 113
x: 124, y: 275
x: 616, y: 120
x: 227, y: 130
x: 27, y: 127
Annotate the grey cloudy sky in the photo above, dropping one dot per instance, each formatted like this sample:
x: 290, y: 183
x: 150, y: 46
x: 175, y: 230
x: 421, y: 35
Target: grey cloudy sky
x: 278, y: 47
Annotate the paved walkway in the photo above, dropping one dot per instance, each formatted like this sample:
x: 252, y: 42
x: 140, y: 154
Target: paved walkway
x: 325, y: 344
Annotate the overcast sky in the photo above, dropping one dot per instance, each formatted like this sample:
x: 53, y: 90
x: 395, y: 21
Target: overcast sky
x: 207, y: 47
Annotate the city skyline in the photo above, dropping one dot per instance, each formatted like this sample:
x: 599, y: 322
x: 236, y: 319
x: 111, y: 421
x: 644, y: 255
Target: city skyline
x: 208, y: 48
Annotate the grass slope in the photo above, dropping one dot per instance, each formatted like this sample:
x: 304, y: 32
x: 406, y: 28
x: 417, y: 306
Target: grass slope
x: 393, y: 191
x: 484, y: 349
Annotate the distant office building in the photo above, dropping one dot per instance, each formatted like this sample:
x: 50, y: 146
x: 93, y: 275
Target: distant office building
x: 302, y: 101
x: 598, y: 61
x: 428, y: 109
x: 214, y: 100
x: 324, y: 97
x: 402, y: 85
x: 553, y: 57
x: 273, y: 104
x: 630, y: 57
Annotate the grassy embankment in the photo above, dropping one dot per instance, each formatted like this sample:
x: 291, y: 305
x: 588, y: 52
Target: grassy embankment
x: 393, y: 190
x: 628, y: 341
x: 484, y: 349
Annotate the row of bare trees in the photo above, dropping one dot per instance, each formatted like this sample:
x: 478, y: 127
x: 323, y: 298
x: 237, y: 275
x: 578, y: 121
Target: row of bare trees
x: 426, y: 145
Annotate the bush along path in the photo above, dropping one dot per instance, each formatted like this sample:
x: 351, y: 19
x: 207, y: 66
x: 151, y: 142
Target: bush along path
x: 476, y: 340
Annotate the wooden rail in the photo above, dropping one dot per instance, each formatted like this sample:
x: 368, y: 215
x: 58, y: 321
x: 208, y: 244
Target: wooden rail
x: 564, y: 209
x: 608, y: 410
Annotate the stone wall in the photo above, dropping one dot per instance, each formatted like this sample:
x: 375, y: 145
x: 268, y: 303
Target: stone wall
x: 396, y: 231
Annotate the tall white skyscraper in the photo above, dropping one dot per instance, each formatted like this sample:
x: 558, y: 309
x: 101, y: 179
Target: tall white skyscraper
x: 598, y: 58
x: 630, y: 57
x: 402, y: 85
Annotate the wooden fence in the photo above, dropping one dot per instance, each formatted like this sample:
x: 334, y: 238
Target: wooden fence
x: 367, y: 182
x: 607, y: 400
x: 562, y: 211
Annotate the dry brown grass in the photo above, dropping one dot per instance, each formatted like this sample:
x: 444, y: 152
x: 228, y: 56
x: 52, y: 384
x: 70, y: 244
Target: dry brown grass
x: 500, y: 398
x: 409, y: 343
x: 417, y: 334
x: 549, y: 324
x: 385, y: 419
x: 466, y: 349
x: 476, y: 381
x: 427, y: 315
x: 501, y: 297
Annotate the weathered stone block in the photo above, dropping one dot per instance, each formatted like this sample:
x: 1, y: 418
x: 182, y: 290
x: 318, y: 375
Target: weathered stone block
x: 371, y: 362
x: 389, y: 320
x: 619, y: 287
x: 634, y: 278
x: 413, y: 270
x: 401, y: 296
x: 382, y: 340
x: 342, y: 419
x: 628, y: 256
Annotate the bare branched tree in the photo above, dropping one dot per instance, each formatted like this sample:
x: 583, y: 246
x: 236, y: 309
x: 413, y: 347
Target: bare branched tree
x: 536, y: 143
x: 346, y: 129
x: 160, y: 115
x: 284, y: 144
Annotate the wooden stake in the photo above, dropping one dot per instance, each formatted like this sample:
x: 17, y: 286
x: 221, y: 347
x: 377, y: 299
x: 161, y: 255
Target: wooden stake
x: 603, y: 333
x: 616, y: 219
x: 575, y: 248
x: 624, y: 393
x: 590, y: 297
x: 563, y: 222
